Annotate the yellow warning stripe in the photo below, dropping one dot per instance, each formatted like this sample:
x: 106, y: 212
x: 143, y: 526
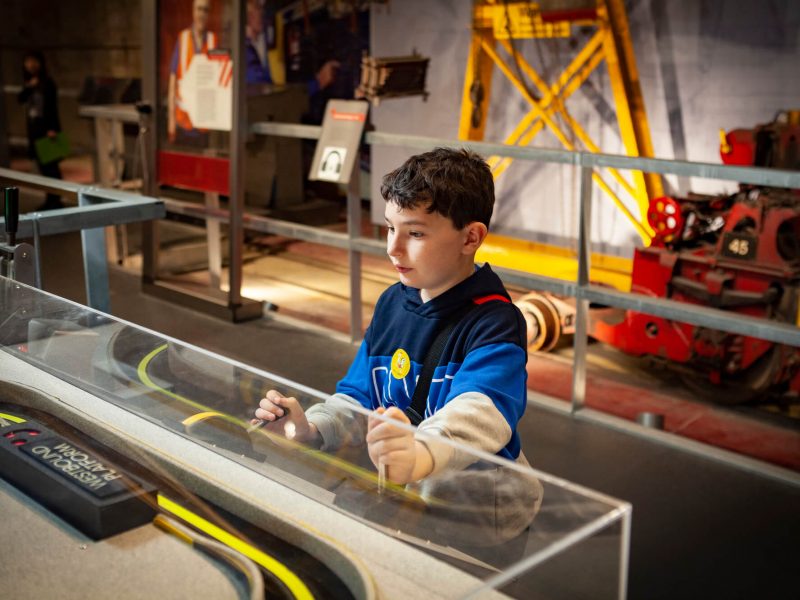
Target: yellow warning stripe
x: 12, y: 418
x: 277, y: 568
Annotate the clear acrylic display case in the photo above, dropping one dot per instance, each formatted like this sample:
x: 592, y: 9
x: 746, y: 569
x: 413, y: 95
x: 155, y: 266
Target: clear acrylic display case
x: 183, y: 414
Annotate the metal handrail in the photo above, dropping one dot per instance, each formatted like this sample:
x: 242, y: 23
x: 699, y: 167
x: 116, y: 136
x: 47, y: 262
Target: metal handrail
x: 97, y: 208
x: 709, y: 317
x: 752, y: 175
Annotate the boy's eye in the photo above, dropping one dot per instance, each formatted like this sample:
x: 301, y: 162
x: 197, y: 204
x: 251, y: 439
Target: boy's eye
x: 390, y: 229
x: 415, y: 234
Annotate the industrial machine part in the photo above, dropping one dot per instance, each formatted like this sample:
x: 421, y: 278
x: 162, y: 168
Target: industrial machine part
x: 773, y: 144
x: 740, y: 253
x: 548, y: 317
x: 392, y: 77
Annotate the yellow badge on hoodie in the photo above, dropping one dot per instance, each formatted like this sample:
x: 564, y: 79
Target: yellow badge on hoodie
x: 401, y: 364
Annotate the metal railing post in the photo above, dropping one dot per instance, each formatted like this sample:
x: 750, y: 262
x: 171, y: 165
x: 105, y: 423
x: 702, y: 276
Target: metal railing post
x: 354, y: 256
x: 150, y: 232
x: 581, y: 303
x: 238, y: 133
x: 95, y: 263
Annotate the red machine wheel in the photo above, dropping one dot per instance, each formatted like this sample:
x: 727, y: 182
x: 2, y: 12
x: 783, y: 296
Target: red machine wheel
x: 665, y: 217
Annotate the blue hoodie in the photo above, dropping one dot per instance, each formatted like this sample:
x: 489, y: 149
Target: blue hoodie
x: 485, y: 354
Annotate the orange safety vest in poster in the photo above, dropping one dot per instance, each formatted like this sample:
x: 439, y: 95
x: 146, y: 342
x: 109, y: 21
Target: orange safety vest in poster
x: 182, y: 58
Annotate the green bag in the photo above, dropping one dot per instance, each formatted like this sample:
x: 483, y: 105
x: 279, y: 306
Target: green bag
x: 52, y: 149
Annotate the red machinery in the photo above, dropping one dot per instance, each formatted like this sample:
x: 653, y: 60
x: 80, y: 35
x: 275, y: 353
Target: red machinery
x: 740, y: 253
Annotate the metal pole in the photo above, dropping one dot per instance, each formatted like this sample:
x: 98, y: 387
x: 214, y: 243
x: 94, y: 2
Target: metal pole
x: 581, y: 304
x: 354, y: 256
x: 5, y: 154
x: 37, y: 252
x: 238, y: 132
x: 150, y: 238
x: 95, y: 264
x: 624, y: 555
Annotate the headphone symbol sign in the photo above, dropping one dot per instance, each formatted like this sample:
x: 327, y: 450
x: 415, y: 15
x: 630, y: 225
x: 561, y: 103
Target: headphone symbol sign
x: 331, y: 162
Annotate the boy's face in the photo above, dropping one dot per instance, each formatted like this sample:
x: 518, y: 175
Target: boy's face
x: 428, y: 252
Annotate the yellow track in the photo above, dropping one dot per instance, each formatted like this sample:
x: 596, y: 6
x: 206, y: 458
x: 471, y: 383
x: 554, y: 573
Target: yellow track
x: 206, y: 411
x: 295, y: 585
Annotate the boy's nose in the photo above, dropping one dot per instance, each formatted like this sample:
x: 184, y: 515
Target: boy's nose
x: 393, y: 247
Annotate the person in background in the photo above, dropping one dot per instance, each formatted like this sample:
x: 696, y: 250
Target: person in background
x: 257, y: 59
x: 196, y: 39
x: 40, y: 97
x: 257, y: 69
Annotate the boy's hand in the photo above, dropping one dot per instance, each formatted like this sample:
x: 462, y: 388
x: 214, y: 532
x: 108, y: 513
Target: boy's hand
x: 284, y: 415
x: 405, y: 458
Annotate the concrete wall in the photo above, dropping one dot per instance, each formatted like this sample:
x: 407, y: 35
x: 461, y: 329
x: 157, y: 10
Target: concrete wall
x: 79, y: 38
x: 704, y: 65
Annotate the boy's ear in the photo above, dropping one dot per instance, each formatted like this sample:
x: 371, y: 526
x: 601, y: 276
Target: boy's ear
x: 475, y: 234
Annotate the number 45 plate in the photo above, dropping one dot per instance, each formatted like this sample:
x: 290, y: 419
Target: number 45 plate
x: 739, y: 245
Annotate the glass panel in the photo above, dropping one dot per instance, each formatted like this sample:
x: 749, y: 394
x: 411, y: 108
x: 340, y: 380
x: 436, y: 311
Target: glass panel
x: 514, y: 528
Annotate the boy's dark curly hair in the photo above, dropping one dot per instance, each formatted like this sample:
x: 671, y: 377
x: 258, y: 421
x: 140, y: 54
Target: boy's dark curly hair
x: 457, y: 183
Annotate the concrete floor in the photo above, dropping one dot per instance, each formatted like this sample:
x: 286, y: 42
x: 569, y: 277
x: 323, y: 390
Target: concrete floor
x: 700, y: 529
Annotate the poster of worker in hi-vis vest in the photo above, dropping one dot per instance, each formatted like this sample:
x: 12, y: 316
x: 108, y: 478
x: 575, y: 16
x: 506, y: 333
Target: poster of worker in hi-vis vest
x: 196, y: 66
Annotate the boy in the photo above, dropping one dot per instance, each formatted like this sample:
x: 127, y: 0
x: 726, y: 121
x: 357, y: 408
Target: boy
x: 438, y: 209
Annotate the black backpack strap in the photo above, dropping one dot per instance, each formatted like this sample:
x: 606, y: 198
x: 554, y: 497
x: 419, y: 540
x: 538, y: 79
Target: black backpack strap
x: 416, y: 409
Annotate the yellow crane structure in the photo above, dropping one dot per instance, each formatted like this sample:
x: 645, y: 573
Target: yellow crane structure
x: 495, y: 26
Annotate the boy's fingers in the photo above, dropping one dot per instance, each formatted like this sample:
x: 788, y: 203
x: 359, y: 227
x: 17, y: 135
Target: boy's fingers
x: 269, y: 406
x: 372, y: 422
x: 398, y: 415
x: 385, y: 431
x: 274, y: 396
x: 289, y: 403
x: 393, y: 413
x: 395, y: 457
x: 266, y: 415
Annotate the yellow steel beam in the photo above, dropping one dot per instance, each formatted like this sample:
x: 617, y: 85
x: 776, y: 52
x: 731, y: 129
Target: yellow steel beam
x: 572, y: 84
x: 520, y: 20
x: 558, y: 101
x: 628, y: 98
x: 553, y: 91
x: 592, y: 147
x: 644, y: 232
x: 532, y: 101
x: 613, y: 41
x: 545, y: 117
x: 553, y: 261
x: 479, y: 69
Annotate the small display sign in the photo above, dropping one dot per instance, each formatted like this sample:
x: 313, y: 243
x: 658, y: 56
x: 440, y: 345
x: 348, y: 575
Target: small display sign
x: 330, y: 166
x: 739, y: 245
x: 337, y: 148
x: 90, y: 472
